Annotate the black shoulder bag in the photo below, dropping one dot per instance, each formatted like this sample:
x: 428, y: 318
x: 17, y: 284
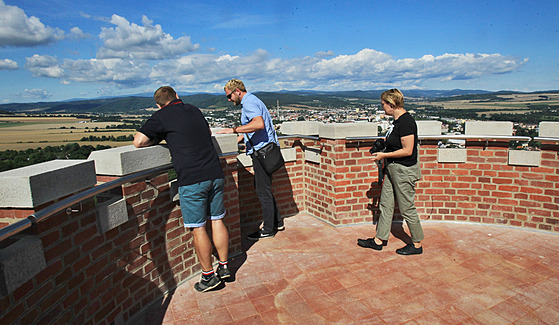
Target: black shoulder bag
x: 269, y: 156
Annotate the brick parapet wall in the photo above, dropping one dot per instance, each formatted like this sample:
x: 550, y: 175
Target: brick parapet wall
x: 103, y: 278
x: 94, y: 278
x: 486, y: 189
x: 342, y: 189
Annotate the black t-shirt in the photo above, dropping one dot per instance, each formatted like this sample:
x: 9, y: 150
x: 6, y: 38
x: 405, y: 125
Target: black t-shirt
x: 404, y: 125
x: 188, y: 136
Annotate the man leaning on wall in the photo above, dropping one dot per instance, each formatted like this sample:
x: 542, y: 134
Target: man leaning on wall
x: 200, y: 177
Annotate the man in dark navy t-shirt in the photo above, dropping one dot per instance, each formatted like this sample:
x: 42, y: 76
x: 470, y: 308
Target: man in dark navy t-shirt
x: 200, y: 177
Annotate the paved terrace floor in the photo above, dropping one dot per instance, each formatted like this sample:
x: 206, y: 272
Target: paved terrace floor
x: 312, y: 273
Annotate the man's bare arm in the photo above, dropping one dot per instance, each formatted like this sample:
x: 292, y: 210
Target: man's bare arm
x: 141, y: 140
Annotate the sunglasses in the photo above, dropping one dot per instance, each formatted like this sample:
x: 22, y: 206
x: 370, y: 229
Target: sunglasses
x: 230, y: 94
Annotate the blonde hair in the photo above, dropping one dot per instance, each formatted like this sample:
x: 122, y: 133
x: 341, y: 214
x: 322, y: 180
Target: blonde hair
x: 233, y: 84
x: 393, y: 97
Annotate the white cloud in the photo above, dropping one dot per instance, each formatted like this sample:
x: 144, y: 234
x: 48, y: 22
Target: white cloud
x: 77, y: 33
x: 35, y: 94
x: 44, y: 66
x: 147, y: 42
x: 145, y: 56
x: 367, y: 69
x: 17, y: 29
x: 126, y: 73
x: 7, y: 64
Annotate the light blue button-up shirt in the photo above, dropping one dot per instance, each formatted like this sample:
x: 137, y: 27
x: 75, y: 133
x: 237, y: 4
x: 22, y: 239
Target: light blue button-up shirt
x: 252, y: 107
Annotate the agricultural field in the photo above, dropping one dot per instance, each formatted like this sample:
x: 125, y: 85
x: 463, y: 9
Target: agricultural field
x: 517, y: 103
x: 20, y: 133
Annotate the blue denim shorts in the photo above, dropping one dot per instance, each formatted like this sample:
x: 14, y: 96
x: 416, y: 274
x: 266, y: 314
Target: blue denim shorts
x: 201, y: 201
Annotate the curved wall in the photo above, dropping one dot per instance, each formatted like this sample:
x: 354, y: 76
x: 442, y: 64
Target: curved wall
x: 102, y: 273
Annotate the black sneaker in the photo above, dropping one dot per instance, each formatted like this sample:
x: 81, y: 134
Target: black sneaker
x: 260, y: 234
x: 369, y: 243
x: 409, y: 249
x: 204, y: 286
x: 223, y: 272
x: 280, y: 228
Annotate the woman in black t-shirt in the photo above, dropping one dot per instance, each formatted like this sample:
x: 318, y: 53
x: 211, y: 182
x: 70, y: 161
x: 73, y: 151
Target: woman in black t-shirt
x: 401, y: 174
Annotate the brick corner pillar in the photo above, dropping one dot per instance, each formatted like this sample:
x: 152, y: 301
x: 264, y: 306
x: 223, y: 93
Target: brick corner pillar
x: 343, y: 185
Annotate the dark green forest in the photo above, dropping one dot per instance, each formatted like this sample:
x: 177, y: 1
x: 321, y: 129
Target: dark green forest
x: 119, y: 138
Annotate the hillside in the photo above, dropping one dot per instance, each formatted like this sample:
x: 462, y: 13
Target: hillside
x: 294, y: 99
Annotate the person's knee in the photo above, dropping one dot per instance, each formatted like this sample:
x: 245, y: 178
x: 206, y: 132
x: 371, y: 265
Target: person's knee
x: 218, y: 223
x: 197, y: 232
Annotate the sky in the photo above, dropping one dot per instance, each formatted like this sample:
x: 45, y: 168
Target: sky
x: 52, y: 50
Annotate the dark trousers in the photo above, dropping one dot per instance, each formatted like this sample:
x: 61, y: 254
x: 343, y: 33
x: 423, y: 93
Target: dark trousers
x: 270, y: 212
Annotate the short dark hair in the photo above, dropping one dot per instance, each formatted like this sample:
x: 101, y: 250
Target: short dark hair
x: 164, y: 95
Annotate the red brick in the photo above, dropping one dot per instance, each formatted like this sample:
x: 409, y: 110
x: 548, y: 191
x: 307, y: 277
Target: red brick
x: 18, y: 293
x: 128, y: 189
x: 540, y: 198
x: 11, y: 316
x: 52, y: 298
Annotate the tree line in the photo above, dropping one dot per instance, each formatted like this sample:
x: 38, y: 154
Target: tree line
x: 120, y: 138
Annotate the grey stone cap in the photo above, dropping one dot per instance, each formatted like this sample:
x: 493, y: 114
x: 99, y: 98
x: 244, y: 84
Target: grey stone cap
x: 300, y: 127
x: 499, y: 128
x: 20, y: 262
x: 549, y: 130
x: 127, y: 160
x: 429, y: 127
x: 525, y: 158
x: 31, y: 186
x: 451, y: 155
x: 225, y: 143
x: 347, y: 130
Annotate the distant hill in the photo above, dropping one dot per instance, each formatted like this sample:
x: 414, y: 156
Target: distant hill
x: 318, y: 99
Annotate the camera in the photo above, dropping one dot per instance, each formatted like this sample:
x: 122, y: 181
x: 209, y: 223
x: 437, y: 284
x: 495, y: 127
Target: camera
x: 378, y: 146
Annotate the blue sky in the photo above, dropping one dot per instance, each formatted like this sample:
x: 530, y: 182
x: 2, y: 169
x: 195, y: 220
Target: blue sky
x: 62, y: 49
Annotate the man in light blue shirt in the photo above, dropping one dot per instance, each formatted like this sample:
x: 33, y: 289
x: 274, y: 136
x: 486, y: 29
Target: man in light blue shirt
x: 257, y: 128
x: 254, y: 108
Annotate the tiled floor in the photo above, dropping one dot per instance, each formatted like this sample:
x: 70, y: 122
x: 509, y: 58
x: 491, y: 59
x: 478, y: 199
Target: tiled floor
x: 312, y: 273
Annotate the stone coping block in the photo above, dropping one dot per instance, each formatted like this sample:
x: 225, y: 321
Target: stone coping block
x: 300, y: 128
x: 127, y: 160
x: 244, y: 161
x: 429, y: 127
x: 312, y: 155
x: 225, y: 143
x: 549, y: 130
x: 20, y: 261
x: 31, y: 186
x: 452, y: 155
x: 347, y: 130
x: 289, y: 155
x: 498, y: 128
x: 111, y: 214
x: 525, y: 158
